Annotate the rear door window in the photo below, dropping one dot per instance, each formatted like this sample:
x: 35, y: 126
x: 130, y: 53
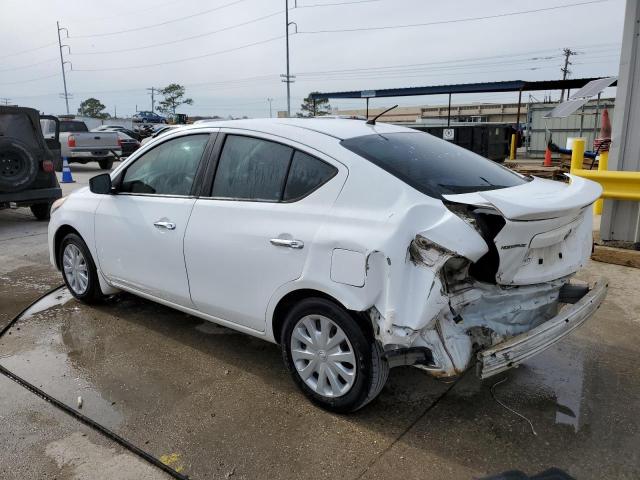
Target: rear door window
x: 251, y: 169
x: 431, y: 165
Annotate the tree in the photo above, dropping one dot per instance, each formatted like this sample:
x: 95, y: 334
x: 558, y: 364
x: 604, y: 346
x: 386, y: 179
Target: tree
x: 173, y: 97
x: 322, y: 107
x: 92, y: 107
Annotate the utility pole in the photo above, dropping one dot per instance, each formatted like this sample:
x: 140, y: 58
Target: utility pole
x: 565, y: 70
x: 5, y: 100
x: 62, y: 62
x: 288, y: 78
x: 270, y: 111
x: 115, y: 111
x: 153, y: 90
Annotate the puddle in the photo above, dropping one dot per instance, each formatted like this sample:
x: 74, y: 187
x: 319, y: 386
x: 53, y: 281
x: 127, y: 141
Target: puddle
x: 58, y: 297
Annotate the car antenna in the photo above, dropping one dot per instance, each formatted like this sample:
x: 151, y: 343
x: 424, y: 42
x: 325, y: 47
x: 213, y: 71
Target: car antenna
x: 373, y: 120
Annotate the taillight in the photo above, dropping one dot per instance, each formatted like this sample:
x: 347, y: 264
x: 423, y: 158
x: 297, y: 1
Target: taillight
x: 119, y: 142
x: 71, y: 141
x: 47, y: 166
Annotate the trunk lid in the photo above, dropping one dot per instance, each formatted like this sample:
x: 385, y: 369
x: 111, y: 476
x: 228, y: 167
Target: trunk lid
x: 96, y: 140
x: 547, y: 232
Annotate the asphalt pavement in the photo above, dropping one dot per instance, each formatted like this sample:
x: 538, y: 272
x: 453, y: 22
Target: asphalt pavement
x: 214, y: 403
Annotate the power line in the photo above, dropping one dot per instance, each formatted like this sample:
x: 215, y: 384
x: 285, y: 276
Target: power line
x: 457, y: 20
x: 29, y: 50
x: 30, y: 80
x: 146, y: 27
x: 171, y: 42
x: 22, y: 67
x: 339, y: 4
x: 220, y: 52
x: 125, y: 13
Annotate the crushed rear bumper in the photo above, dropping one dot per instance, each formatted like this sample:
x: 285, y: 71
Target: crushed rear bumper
x: 517, y: 349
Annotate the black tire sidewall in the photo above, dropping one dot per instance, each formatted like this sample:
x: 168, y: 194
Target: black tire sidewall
x: 359, y: 342
x: 26, y: 175
x: 105, y: 164
x: 42, y: 211
x: 93, y: 292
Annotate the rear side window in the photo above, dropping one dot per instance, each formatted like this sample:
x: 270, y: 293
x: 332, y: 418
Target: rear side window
x: 306, y: 174
x: 432, y: 166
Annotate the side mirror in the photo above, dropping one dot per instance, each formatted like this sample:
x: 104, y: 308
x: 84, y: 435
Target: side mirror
x: 101, y: 184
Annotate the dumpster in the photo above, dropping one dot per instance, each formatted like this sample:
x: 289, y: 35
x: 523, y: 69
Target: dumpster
x: 489, y: 140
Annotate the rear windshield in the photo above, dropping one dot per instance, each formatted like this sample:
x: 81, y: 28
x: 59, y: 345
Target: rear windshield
x: 73, y: 127
x: 434, y: 167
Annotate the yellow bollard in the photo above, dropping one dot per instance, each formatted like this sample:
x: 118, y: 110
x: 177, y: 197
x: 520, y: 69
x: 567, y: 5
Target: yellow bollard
x: 512, y: 150
x: 577, y: 154
x: 603, y: 162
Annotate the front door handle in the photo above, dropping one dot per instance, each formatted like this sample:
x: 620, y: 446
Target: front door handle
x: 283, y: 242
x: 167, y: 225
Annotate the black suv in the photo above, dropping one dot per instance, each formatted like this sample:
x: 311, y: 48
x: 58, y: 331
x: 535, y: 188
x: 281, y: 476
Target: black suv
x: 28, y: 161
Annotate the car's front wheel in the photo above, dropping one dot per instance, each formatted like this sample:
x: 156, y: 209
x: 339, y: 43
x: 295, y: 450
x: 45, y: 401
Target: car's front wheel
x: 78, y: 269
x: 330, y: 357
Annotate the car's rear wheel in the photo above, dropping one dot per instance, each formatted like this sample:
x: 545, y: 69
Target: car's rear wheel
x: 78, y: 269
x: 41, y: 211
x: 330, y: 357
x: 106, y: 164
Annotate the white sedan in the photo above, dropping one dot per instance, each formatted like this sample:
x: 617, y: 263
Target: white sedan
x: 354, y: 246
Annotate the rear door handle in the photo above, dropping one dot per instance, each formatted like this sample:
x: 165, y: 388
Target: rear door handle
x: 167, y: 225
x: 283, y: 242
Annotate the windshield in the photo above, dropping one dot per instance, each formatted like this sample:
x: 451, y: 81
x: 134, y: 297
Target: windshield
x: 434, y: 167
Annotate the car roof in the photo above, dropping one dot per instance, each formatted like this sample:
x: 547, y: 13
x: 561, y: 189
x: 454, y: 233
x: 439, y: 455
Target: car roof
x: 335, y: 127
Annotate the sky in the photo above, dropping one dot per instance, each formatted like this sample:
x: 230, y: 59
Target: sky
x: 229, y: 54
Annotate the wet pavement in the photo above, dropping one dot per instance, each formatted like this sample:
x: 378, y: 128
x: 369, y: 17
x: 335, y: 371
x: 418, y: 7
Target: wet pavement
x: 215, y: 403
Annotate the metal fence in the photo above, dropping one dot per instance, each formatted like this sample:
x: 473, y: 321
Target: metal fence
x: 580, y: 124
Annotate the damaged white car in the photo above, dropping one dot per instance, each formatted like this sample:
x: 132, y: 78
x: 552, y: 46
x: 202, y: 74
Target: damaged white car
x: 355, y: 246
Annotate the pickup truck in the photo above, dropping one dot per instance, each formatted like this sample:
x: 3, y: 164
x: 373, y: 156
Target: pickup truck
x: 79, y: 145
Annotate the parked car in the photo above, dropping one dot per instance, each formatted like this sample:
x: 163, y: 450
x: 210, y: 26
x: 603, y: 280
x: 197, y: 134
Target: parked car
x: 79, y: 145
x: 356, y: 247
x: 27, y: 162
x: 159, y: 131
x: 117, y: 128
x: 128, y: 144
x: 148, y: 117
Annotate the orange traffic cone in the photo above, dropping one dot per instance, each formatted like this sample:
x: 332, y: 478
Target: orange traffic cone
x: 547, y: 157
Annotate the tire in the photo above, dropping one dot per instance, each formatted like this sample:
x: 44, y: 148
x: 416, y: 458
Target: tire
x: 89, y: 293
x: 106, y: 164
x: 353, y: 384
x: 41, y: 211
x: 18, y: 165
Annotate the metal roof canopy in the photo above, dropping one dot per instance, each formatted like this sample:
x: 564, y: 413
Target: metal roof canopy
x: 484, y: 87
